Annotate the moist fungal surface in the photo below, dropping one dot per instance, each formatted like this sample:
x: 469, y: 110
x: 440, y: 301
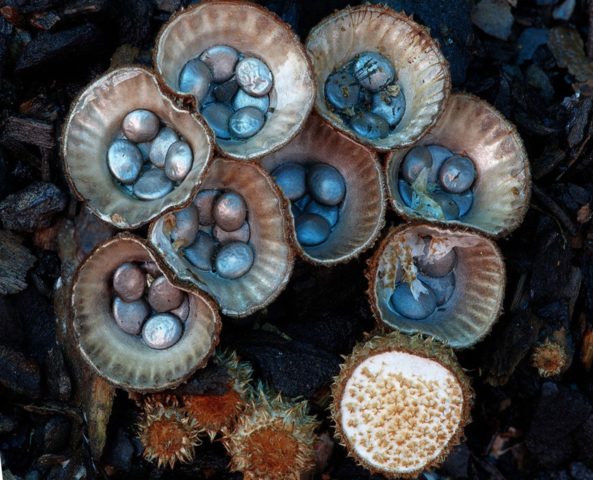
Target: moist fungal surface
x: 437, y: 183
x: 399, y: 411
x: 366, y: 94
x: 316, y: 191
x: 232, y: 90
x: 146, y: 304
x: 215, y: 232
x: 147, y: 159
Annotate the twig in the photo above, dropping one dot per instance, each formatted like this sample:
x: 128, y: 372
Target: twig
x: 554, y: 209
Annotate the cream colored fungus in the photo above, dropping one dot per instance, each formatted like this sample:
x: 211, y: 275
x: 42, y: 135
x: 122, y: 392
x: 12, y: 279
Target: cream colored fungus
x: 399, y: 411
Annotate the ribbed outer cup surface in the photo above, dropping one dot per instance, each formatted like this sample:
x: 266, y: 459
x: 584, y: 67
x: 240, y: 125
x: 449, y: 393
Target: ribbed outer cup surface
x: 125, y: 360
x: 362, y: 215
x: 473, y: 127
x: 268, y: 222
x: 479, y: 291
x: 92, y: 125
x: 423, y: 72
x: 251, y: 30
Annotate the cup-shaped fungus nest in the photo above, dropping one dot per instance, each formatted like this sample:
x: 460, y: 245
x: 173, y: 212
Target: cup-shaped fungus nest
x: 470, y: 128
x: 437, y: 281
x: 241, y: 30
x: 94, y: 125
x: 400, y: 404
x: 354, y: 223
x: 267, y: 234
x: 128, y: 360
x: 360, y: 45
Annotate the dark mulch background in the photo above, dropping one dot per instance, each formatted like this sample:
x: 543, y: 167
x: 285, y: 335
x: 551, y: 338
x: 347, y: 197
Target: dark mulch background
x: 525, y: 426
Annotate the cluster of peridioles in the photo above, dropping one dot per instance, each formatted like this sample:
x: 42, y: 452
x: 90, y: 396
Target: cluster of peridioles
x: 223, y: 233
x: 266, y: 436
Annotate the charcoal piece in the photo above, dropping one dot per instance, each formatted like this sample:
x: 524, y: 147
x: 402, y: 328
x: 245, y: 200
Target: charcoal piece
x: 119, y: 451
x: 46, y: 272
x: 32, y: 208
x: 32, y: 6
x: 578, y: 122
x: 24, y: 165
x: 29, y: 131
x: 580, y: 471
x: 335, y: 332
x: 347, y: 469
x: 559, y: 414
x: 504, y: 100
x: 15, y: 262
x: 3, y: 167
x: 56, y: 375
x: 78, y: 8
x: 318, y: 292
x: 550, y: 159
x: 552, y: 262
x: 510, y: 347
x: 483, y: 468
x: 52, y: 48
x: 571, y: 196
x: 168, y: 6
x: 66, y: 467
x: 554, y: 210
x: 36, y: 316
x: 555, y: 315
x: 529, y: 41
x: 584, y: 441
x: 493, y: 17
x: 587, y: 269
x: 291, y: 367
x: 55, y: 434
x: 6, y: 30
x: 45, y: 21
x: 564, y: 10
x: 19, y: 375
x: 450, y: 23
x: 457, y: 463
x: 12, y: 447
x: 538, y: 79
x: 132, y: 20
x: 211, y: 380
x: 90, y: 231
x: 7, y: 424
x: 212, y: 459
x: 11, y: 332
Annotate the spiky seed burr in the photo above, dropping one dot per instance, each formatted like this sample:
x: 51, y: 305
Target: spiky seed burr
x: 217, y: 412
x: 273, y: 439
x: 550, y: 358
x: 166, y: 432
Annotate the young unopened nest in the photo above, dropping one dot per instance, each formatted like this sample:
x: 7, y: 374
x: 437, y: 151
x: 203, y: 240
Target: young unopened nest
x: 273, y: 439
x: 167, y: 434
x: 214, y: 412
